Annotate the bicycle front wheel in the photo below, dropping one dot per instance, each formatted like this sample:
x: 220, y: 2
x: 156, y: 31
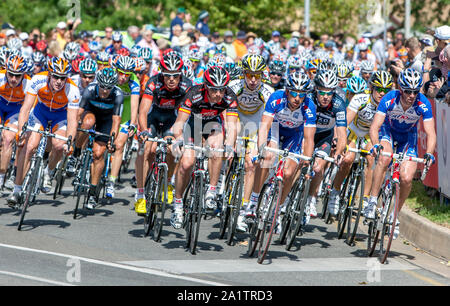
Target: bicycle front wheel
x: 161, y: 201
x: 150, y: 189
x: 197, y: 212
x: 238, y: 187
x: 269, y: 226
x: 29, y: 192
x: 355, y: 212
x: 387, y: 232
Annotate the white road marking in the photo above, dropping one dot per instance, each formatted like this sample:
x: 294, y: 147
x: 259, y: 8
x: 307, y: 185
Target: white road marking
x: 39, y: 279
x: 278, y: 265
x: 118, y: 265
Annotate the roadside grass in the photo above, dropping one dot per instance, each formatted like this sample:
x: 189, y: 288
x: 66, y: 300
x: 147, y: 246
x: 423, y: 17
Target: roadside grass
x: 428, y: 206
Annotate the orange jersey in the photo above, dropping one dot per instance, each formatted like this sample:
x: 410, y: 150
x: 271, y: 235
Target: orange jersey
x: 68, y: 97
x: 12, y: 95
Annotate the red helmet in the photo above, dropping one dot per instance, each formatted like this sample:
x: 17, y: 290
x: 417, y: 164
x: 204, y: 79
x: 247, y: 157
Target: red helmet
x: 171, y: 61
x: 216, y: 76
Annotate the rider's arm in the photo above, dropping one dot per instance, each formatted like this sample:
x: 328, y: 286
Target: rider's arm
x: 26, y: 109
x: 178, y: 126
x: 351, y: 114
x: 144, y: 108
x: 377, y: 122
x: 115, y: 125
x: 264, y: 127
x: 428, y: 126
x: 341, y: 134
x: 232, y: 122
x: 134, y: 109
x: 308, y: 140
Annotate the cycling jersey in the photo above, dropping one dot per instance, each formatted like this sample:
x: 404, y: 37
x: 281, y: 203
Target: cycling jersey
x: 365, y: 110
x: 329, y: 117
x: 51, y: 106
x: 103, y: 109
x: 11, y: 99
x: 288, y: 125
x: 250, y: 101
x: 130, y: 88
x: 401, y: 126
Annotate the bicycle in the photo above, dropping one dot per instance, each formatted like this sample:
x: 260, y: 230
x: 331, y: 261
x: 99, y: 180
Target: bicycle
x: 234, y: 191
x: 195, y: 208
x: 261, y: 231
x: 156, y: 189
x: 33, y: 179
x: 81, y: 182
x: 325, y: 191
x: 294, y: 220
x: 382, y: 227
x: 127, y: 154
x: 347, y: 209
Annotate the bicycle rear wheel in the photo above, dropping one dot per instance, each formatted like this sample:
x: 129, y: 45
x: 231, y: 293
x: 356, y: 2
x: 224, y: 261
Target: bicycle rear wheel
x: 197, y: 213
x: 160, y: 207
x: 387, y: 232
x: 236, y: 207
x: 287, y: 217
x: 299, y: 212
x: 82, y: 183
x: 150, y: 188
x: 59, y: 177
x: 355, y: 212
x: 343, y: 213
x: 256, y: 227
x: 31, y: 187
x: 225, y: 211
x: 267, y: 231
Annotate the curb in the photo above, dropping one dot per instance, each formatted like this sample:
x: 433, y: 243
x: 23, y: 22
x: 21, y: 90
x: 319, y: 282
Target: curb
x: 425, y: 234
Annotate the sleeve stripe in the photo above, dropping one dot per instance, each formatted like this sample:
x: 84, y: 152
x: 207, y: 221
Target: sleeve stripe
x: 187, y: 111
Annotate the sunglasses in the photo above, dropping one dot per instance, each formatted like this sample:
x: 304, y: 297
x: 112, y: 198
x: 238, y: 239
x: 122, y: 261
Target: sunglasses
x: 276, y: 73
x: 410, y: 91
x: 296, y: 94
x: 381, y: 89
x: 89, y: 77
x: 342, y: 79
x: 174, y: 75
x: 59, y: 77
x: 313, y: 70
x: 253, y: 75
x: 214, y: 88
x: 124, y: 72
x: 104, y: 88
x: 17, y: 75
x: 325, y: 93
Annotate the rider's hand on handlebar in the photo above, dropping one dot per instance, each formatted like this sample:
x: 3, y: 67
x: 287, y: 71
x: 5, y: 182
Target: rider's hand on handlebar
x: 429, y: 159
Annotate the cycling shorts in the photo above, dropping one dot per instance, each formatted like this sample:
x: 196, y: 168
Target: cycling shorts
x: 406, y: 142
x: 193, y: 128
x: 103, y: 124
x: 10, y: 113
x: 323, y: 143
x: 289, y: 138
x: 354, y: 133
x: 40, y: 116
x: 160, y: 122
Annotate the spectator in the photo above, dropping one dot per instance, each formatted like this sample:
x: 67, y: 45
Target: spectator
x: 239, y: 45
x: 2, y: 39
x: 178, y: 20
x: 53, y: 46
x: 163, y: 45
x: 10, y: 33
x: 275, y: 39
x: 132, y: 37
x: 432, y: 87
x: 202, y: 23
x: 189, y: 28
x: 378, y: 50
x: 176, y: 32
x: 442, y: 38
x: 228, y: 44
x: 148, y: 42
x: 60, y: 31
x: 107, y: 40
x: 27, y: 51
x: 250, y: 40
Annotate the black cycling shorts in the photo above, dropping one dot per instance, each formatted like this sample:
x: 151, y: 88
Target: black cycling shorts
x: 160, y: 121
x: 103, y: 124
x: 323, y: 142
x: 196, y: 127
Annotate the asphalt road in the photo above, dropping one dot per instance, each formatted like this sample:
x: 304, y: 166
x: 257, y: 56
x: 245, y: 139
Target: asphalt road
x: 107, y: 247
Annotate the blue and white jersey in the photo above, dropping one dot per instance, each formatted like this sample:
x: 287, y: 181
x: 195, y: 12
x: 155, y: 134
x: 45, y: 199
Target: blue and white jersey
x: 277, y: 107
x: 328, y: 117
x: 399, y: 120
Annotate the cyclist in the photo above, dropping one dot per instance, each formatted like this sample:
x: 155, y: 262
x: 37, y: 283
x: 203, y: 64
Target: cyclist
x: 355, y: 85
x: 252, y: 94
x: 103, y: 60
x: 360, y: 113
x: 196, y: 56
x: 57, y: 103
x: 157, y: 113
x: 277, y: 71
x: 311, y: 67
x: 233, y: 70
x: 202, y: 113
x: 288, y: 120
x: 38, y: 61
x: 13, y: 85
x: 366, y: 69
x: 87, y: 68
x: 117, y: 47
x: 396, y: 121
x: 128, y: 82
x: 100, y: 106
x: 331, y: 123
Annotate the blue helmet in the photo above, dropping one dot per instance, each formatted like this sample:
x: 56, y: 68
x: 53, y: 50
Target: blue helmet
x: 356, y: 84
x: 88, y: 66
x: 410, y: 79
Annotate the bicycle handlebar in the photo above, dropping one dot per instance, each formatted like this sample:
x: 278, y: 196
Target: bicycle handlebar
x: 282, y: 153
x: 46, y: 133
x: 4, y: 127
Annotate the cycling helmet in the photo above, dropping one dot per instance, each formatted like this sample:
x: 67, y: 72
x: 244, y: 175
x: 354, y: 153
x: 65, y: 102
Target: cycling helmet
x: 188, y: 70
x: 313, y: 64
x: 146, y: 54
x: 410, y: 79
x: 113, y: 60
x: 107, y: 78
x: 342, y: 71
x: 294, y: 62
x: 277, y: 67
x: 103, y: 58
x: 254, y: 63
x: 73, y: 47
x: 15, y: 44
x: 125, y: 63
x: 59, y: 66
x: 38, y: 58
x: 328, y: 65
x: 69, y: 54
x: 216, y: 76
x: 134, y: 51
x: 195, y: 55
x: 367, y: 66
x: 94, y: 46
x: 172, y: 61
x: 117, y: 36
x: 298, y: 81
x: 293, y: 43
x: 356, y: 85
x: 218, y: 60
x: 381, y: 79
x: 17, y: 64
x: 88, y: 66
x: 233, y: 70
x: 141, y: 65
x: 326, y: 79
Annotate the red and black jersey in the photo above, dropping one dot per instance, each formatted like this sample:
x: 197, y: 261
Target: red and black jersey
x: 197, y: 103
x: 161, y: 97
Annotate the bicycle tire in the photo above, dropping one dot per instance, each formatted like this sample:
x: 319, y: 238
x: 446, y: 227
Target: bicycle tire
x: 82, y: 182
x: 287, y: 217
x: 197, y: 214
x: 352, y: 225
x: 297, y: 222
x: 235, y: 208
x: 265, y: 241
x: 29, y: 190
x: 389, y: 230
x: 59, y: 177
x: 149, y: 205
x: 257, y: 226
x: 324, y: 192
x: 343, y: 212
x: 225, y: 212
x: 160, y: 210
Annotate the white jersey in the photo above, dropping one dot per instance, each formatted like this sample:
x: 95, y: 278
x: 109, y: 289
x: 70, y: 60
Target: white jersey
x: 365, y: 110
x: 250, y: 101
